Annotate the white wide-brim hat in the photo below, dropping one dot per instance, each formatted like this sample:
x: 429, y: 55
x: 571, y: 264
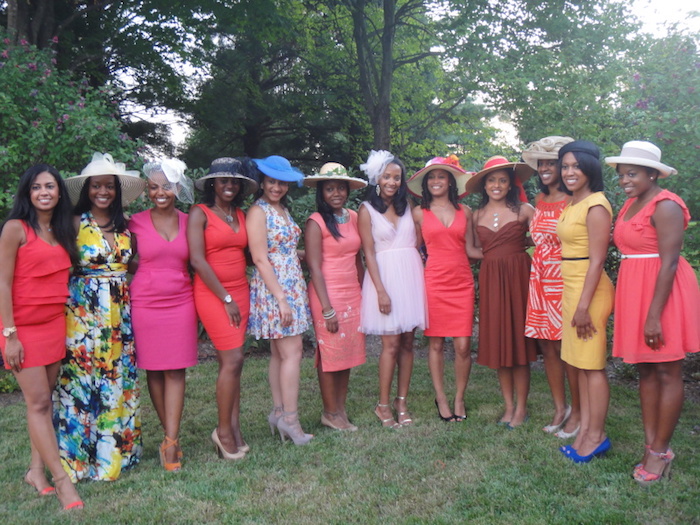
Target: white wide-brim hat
x: 641, y: 153
x: 132, y: 185
x: 334, y: 171
x: 415, y: 183
x: 546, y: 148
x: 522, y: 171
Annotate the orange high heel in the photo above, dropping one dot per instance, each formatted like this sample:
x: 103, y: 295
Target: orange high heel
x: 165, y: 445
x: 75, y: 505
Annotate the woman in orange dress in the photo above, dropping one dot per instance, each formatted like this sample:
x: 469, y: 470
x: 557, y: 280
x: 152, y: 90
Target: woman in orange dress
x: 217, y: 238
x: 445, y: 227
x: 544, y: 298
x: 657, y: 311
x: 501, y: 224
x: 335, y: 294
x: 37, y: 248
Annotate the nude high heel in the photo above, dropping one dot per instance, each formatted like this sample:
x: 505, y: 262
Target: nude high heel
x: 222, y: 451
x: 273, y: 418
x: 292, y: 429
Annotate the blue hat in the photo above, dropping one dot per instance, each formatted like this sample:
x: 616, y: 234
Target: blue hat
x: 279, y: 168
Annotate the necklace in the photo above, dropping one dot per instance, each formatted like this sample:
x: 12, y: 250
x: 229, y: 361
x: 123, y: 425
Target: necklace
x: 343, y: 218
x: 495, y: 220
x: 227, y: 216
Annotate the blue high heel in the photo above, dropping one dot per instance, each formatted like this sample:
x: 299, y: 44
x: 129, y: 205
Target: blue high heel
x: 598, y: 452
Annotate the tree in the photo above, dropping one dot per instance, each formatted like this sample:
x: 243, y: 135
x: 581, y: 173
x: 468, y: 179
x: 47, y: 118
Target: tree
x: 49, y: 117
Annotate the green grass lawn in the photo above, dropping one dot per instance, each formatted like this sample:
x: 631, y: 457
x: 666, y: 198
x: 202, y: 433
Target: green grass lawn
x: 471, y: 472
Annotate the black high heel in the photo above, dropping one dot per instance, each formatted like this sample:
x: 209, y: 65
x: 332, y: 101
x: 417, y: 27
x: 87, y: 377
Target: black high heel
x: 449, y: 419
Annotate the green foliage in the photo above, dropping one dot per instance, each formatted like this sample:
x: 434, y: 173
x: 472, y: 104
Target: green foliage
x: 691, y: 245
x: 8, y: 383
x: 47, y: 116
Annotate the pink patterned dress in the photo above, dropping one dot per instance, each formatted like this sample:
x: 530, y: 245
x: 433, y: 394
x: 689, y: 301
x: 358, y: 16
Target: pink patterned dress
x: 544, y: 299
x: 346, y: 348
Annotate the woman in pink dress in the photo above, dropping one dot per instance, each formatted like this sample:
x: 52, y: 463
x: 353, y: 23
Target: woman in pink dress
x: 162, y: 305
x: 445, y: 227
x: 393, y: 291
x: 333, y: 255
x: 657, y: 302
x: 543, y: 320
x: 37, y: 247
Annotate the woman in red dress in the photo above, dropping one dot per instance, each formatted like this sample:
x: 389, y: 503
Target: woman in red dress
x: 544, y: 321
x: 445, y: 227
x: 37, y: 248
x: 217, y: 238
x: 657, y: 301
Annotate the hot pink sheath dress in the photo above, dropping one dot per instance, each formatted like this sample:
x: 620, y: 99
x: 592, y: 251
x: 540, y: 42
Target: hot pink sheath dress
x: 162, y: 304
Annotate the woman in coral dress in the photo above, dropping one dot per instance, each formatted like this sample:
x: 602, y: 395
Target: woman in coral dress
x: 587, y: 299
x: 445, y: 227
x: 279, y: 302
x: 544, y: 298
x: 333, y: 254
x: 217, y: 237
x: 37, y: 247
x: 162, y: 305
x: 393, y: 291
x: 501, y: 224
x: 657, y: 310
x: 97, y: 411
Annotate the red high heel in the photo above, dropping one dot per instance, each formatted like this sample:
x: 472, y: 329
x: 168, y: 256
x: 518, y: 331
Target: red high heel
x: 645, y: 478
x: 47, y: 491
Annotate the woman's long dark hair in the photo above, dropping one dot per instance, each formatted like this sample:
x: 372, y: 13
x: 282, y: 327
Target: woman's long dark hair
x: 400, y: 200
x: 116, y: 210
x: 512, y: 197
x: 325, y: 210
x: 62, y: 217
x: 427, y: 198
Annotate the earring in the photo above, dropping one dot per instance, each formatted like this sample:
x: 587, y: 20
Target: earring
x: 378, y: 190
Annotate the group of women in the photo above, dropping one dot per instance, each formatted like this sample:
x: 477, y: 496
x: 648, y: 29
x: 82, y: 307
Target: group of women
x: 81, y: 337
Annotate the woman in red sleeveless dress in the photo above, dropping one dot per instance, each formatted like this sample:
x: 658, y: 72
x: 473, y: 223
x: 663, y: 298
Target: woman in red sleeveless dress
x: 37, y: 248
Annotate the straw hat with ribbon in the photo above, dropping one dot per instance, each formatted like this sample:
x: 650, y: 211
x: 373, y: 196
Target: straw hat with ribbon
x: 522, y: 173
x: 229, y: 167
x: 103, y: 164
x: 334, y: 171
x: 449, y: 164
x: 546, y: 148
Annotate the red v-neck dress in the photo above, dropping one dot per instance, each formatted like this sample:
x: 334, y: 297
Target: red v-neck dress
x: 680, y: 319
x: 449, y: 283
x: 39, y: 293
x: 162, y: 301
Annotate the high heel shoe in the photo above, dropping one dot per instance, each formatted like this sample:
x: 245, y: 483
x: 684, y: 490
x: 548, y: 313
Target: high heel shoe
x: 551, y: 429
x: 389, y: 422
x: 45, y: 491
x: 75, y: 505
x: 222, y: 451
x: 165, y: 445
x: 292, y: 429
x: 566, y: 435
x: 404, y: 418
x: 449, y: 419
x: 598, y: 452
x: 645, y: 478
x: 273, y: 418
x: 328, y: 423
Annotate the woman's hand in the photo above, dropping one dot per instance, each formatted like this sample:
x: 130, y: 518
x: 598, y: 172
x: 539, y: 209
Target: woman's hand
x: 384, y: 303
x: 583, y: 324
x: 652, y: 334
x: 332, y: 324
x: 234, y: 314
x: 14, y: 353
x: 286, y: 316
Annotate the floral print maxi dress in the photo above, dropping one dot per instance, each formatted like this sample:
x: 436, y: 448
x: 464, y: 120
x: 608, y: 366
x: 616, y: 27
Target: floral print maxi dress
x: 97, y: 415
x: 282, y: 238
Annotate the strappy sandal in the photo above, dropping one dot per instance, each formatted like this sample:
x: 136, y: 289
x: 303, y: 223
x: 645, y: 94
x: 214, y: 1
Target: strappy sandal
x: 389, y: 422
x: 404, y: 418
x: 645, y: 478
x: 165, y: 445
x: 47, y: 491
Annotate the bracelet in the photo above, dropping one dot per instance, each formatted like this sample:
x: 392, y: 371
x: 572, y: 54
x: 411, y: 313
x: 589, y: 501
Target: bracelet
x: 330, y: 314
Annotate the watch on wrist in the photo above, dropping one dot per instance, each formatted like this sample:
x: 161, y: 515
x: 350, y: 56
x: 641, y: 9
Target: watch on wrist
x: 7, y: 332
x: 228, y: 299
